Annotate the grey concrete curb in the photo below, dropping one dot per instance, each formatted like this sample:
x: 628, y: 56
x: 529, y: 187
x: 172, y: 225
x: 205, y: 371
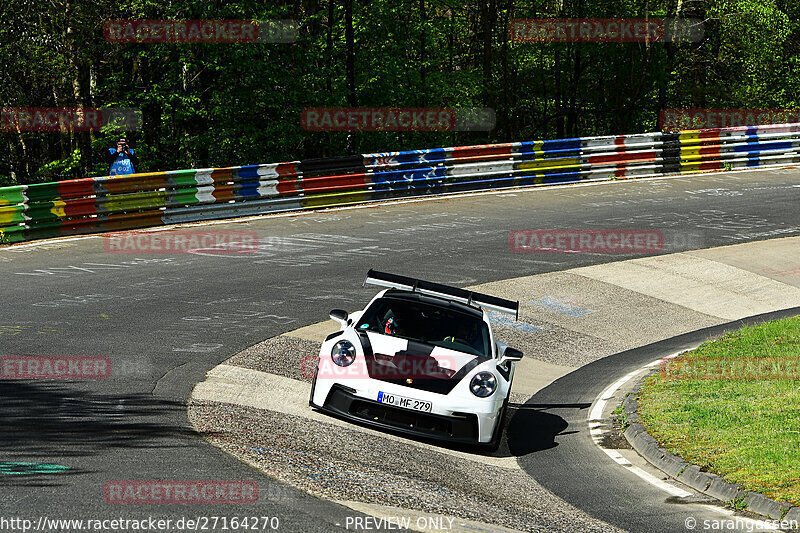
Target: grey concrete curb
x: 692, y: 475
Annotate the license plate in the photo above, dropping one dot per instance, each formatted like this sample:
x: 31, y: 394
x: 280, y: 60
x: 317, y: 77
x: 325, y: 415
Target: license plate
x: 406, y: 403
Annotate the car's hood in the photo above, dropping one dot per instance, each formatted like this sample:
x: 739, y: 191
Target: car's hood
x: 415, y: 364
x: 392, y: 346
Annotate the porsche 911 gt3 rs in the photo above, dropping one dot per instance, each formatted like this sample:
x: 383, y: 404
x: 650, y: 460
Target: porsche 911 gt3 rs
x: 420, y: 358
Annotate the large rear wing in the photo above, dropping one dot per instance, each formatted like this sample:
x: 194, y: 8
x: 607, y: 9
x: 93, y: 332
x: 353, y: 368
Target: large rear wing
x: 394, y: 281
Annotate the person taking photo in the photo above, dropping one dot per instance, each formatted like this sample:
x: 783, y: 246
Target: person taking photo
x: 121, y: 159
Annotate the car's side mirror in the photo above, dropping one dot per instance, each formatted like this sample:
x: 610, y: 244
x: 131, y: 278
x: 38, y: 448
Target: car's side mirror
x: 509, y: 355
x: 340, y: 316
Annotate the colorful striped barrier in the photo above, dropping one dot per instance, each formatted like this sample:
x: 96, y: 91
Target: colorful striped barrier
x: 114, y: 203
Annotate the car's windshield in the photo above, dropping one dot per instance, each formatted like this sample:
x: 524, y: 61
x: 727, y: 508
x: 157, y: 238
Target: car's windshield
x: 431, y: 324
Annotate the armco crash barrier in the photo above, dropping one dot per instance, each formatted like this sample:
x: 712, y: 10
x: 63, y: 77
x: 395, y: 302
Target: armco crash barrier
x: 139, y: 200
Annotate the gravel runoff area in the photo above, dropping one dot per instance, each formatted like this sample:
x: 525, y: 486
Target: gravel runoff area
x: 301, y: 452
x: 391, y: 473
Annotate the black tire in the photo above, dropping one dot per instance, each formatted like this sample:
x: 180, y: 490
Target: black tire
x: 313, y: 386
x: 497, y: 436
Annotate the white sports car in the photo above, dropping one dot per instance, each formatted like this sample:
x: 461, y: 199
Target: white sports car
x: 421, y: 359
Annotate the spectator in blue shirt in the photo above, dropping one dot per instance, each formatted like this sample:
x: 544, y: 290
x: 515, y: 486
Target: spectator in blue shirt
x: 122, y: 160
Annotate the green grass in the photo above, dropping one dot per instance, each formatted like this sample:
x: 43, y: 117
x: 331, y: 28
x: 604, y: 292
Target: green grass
x: 746, y: 430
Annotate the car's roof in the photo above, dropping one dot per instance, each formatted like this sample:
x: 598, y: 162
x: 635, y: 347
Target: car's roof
x: 433, y: 300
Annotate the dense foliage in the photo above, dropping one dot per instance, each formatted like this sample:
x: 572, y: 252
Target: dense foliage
x: 232, y: 104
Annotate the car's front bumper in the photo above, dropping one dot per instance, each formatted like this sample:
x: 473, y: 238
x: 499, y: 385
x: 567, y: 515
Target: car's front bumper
x: 462, y: 428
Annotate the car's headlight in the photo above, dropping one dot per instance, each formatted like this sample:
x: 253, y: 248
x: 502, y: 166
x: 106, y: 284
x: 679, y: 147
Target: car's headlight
x: 483, y: 384
x: 343, y: 353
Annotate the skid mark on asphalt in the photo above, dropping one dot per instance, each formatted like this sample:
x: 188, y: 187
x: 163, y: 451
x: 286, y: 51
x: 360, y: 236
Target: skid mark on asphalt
x: 29, y: 327
x: 237, y: 318
x: 199, y: 348
x: 94, y: 268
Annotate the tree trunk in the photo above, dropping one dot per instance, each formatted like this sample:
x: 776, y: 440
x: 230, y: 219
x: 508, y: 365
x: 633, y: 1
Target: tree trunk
x: 559, y: 114
x: 350, y: 53
x: 503, y: 127
x: 80, y: 93
x: 488, y: 12
x: 329, y: 47
x: 423, y: 58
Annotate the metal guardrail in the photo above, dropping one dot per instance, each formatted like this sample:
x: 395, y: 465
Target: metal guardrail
x: 114, y: 203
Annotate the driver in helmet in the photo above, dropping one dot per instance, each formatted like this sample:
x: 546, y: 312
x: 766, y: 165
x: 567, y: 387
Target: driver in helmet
x: 390, y: 328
